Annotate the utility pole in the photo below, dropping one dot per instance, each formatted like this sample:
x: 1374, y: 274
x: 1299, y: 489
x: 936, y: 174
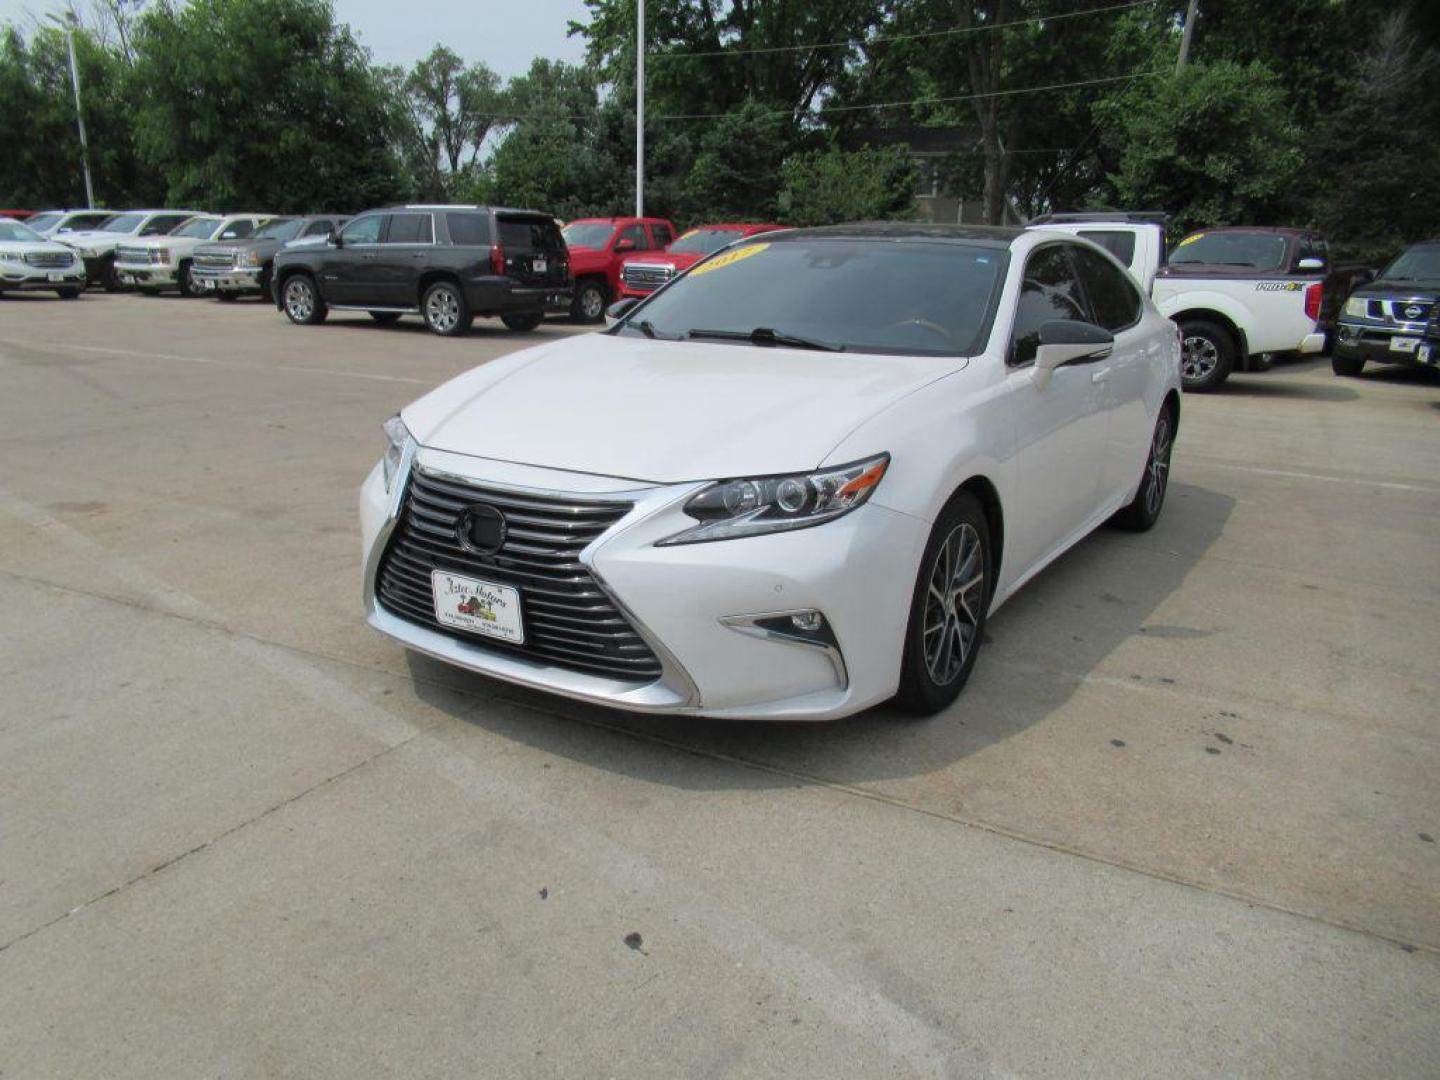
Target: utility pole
x: 69, y: 28
x: 1191, y: 14
x: 639, y: 108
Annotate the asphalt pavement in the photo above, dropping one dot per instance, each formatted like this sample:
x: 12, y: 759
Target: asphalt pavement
x: 1182, y: 822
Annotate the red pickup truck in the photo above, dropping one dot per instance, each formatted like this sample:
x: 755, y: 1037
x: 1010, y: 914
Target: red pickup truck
x: 644, y: 272
x: 597, y: 248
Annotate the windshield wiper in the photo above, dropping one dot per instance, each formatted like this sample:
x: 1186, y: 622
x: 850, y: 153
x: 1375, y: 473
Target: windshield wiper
x: 764, y: 335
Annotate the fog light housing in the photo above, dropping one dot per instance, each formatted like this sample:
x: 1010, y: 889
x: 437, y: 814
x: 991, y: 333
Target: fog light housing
x: 807, y: 622
x: 1350, y: 334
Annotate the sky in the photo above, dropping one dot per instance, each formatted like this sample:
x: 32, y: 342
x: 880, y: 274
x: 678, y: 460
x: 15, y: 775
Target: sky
x: 505, y: 34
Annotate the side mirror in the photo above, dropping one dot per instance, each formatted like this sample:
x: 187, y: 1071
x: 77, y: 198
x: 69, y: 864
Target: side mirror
x: 1310, y: 263
x: 625, y: 245
x: 1068, y: 341
x: 618, y: 310
x: 336, y: 239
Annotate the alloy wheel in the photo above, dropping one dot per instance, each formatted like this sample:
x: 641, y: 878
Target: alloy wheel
x: 299, y: 299
x: 1158, y: 467
x: 592, y: 303
x: 442, y: 310
x: 953, y: 604
x: 1199, y: 357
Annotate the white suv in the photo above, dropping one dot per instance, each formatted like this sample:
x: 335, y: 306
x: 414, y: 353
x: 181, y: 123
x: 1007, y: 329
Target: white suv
x: 28, y: 262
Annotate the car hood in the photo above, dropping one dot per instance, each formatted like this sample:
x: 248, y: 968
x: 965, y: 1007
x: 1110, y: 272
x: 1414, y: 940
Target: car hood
x: 90, y: 237
x: 665, y: 411
x: 33, y: 247
x: 1384, y: 290
x: 679, y: 260
x: 231, y: 247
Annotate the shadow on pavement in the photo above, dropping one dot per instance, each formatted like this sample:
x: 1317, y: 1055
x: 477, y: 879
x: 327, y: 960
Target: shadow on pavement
x: 1040, y: 648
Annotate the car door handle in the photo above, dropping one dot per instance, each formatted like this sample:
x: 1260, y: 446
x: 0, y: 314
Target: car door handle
x: 1100, y: 376
x: 417, y: 254
x: 368, y: 255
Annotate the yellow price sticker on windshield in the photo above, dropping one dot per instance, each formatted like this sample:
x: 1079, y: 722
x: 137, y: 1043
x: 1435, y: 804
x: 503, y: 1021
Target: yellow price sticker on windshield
x: 729, y: 258
x: 1189, y: 240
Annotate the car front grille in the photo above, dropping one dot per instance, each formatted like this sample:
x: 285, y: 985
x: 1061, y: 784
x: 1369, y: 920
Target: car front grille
x: 48, y: 260
x: 222, y: 260
x: 569, y: 620
x: 646, y: 278
x: 1409, y: 311
x: 127, y: 254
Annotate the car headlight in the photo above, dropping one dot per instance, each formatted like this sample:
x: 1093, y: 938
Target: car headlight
x: 399, y: 440
x: 751, y: 507
x: 11, y: 256
x: 247, y: 258
x: 1358, y: 306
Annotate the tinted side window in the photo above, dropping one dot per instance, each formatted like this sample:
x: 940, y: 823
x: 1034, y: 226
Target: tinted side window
x: 88, y: 221
x: 409, y: 229
x: 663, y: 236
x: 468, y: 228
x: 163, y: 224
x: 365, y: 230
x: 318, y: 228
x: 1119, y: 244
x: 1050, y: 290
x: 530, y: 234
x: 1113, y: 299
x: 237, y: 230
x: 635, y: 234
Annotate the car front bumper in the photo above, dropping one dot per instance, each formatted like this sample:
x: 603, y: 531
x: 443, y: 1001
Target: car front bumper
x: 695, y: 605
x: 229, y: 279
x: 1405, y: 344
x: 146, y: 274
x: 18, y: 278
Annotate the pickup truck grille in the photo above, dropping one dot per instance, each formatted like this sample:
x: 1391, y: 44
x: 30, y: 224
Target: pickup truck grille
x: 1406, y: 311
x: 220, y: 260
x: 127, y: 254
x: 643, y: 278
x: 569, y: 620
x: 48, y: 260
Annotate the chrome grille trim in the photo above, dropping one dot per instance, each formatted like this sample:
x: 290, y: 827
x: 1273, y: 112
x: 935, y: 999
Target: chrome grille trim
x: 48, y: 260
x: 570, y: 620
x: 215, y: 261
x: 645, y: 276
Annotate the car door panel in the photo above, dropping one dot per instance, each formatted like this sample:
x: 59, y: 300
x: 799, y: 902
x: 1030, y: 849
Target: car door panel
x: 347, y: 272
x: 404, y: 250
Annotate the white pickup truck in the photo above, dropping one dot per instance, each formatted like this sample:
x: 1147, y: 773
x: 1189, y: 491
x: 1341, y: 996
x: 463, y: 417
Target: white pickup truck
x: 1238, y: 294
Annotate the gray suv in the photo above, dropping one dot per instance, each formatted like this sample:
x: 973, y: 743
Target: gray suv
x: 235, y: 267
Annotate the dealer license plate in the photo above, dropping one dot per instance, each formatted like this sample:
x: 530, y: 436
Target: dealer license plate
x: 57, y: 277
x: 539, y: 265
x: 1404, y: 344
x: 1425, y: 354
x: 481, y: 607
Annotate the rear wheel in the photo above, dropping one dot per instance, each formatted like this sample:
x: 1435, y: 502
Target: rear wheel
x: 1144, y: 509
x: 1347, y: 366
x: 445, y: 310
x: 948, y: 608
x: 1207, y: 356
x: 528, y: 321
x: 589, y: 302
x: 302, y: 300
x: 385, y: 318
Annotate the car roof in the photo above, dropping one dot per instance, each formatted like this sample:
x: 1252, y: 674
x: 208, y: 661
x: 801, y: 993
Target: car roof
x: 996, y: 236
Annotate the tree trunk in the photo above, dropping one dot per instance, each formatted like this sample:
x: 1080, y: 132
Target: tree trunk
x: 984, y: 55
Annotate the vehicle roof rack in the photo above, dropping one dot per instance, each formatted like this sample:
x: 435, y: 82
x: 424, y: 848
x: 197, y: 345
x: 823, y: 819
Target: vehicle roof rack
x: 1156, y: 217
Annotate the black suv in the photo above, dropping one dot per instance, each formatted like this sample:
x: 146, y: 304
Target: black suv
x: 446, y: 264
x: 1389, y: 321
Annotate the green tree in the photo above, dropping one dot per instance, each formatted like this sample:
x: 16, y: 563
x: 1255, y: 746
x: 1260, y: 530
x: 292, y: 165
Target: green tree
x: 1215, y: 147
x: 453, y: 107
x: 263, y: 104
x: 736, y: 171
x: 825, y: 187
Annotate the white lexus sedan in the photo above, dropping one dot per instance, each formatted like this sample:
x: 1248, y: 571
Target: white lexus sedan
x: 791, y: 484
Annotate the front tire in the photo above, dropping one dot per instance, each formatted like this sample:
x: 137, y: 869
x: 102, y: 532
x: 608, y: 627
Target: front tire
x: 110, y: 277
x: 183, y: 284
x: 1347, y: 367
x: 528, y: 321
x: 445, y: 310
x: 948, y: 608
x: 1207, y: 355
x: 1144, y: 510
x: 302, y: 301
x: 589, y: 303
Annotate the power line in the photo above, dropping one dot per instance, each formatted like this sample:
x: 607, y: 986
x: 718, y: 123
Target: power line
x: 925, y: 101
x: 904, y: 37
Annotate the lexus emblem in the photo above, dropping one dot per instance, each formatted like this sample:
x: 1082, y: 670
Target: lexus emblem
x: 1414, y: 311
x: 481, y: 530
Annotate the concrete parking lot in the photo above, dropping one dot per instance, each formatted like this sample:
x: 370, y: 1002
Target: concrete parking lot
x: 1183, y: 821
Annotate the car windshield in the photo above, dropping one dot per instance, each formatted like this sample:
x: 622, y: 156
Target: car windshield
x: 704, y: 241
x: 1420, y: 263
x: 13, y: 230
x: 284, y: 229
x: 591, y: 234
x: 859, y: 295
x: 122, y: 223
x: 44, y: 221
x: 1260, y: 251
x: 198, y: 228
